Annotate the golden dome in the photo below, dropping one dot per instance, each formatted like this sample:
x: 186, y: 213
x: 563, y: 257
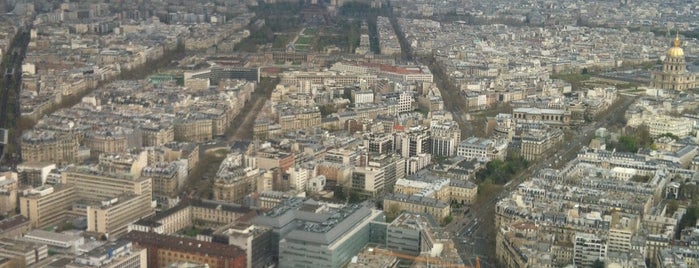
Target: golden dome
x: 675, y: 51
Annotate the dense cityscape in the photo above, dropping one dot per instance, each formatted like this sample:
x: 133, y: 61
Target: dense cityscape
x: 349, y: 133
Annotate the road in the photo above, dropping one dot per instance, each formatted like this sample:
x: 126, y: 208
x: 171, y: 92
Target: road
x: 475, y: 232
x: 244, y: 123
x: 9, y: 94
x: 200, y: 180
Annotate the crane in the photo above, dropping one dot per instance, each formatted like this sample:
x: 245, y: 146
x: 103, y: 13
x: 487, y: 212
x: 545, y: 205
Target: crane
x: 430, y: 260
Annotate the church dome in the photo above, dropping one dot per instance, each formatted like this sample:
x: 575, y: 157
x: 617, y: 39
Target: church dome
x: 675, y: 51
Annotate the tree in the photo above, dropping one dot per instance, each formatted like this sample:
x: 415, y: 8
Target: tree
x: 644, y: 138
x: 447, y: 220
x: 355, y: 197
x: 339, y: 193
x: 598, y: 264
x: 392, y: 212
x: 689, y: 219
x: 672, y: 206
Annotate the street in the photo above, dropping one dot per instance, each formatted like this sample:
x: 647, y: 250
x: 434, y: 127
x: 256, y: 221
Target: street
x: 474, y: 234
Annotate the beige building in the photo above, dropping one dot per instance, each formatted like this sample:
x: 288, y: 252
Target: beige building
x: 22, y: 253
x: 444, y: 190
x: 106, y: 143
x: 166, y: 179
x: 116, y: 199
x: 193, y: 129
x: 49, y: 146
x: 8, y: 193
x: 92, y: 184
x: 462, y: 192
x: 14, y: 227
x: 417, y: 204
x: 191, y: 213
x: 235, y: 185
x: 552, y: 117
x: 674, y: 75
x: 155, y: 135
x: 47, y: 205
x: 299, y: 118
x: 537, y: 143
x: 112, y: 217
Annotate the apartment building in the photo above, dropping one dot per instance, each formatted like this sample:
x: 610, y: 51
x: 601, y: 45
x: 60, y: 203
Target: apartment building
x: 193, y: 128
x: 445, y: 138
x: 49, y: 146
x: 114, y: 254
x: 589, y: 248
x: 369, y: 181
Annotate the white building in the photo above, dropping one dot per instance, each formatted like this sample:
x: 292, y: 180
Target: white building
x: 659, y: 125
x: 405, y: 101
x: 316, y: 184
x: 416, y: 163
x: 445, y: 138
x: 362, y: 96
x: 368, y: 180
x: 483, y: 150
x: 588, y: 248
x: 298, y: 177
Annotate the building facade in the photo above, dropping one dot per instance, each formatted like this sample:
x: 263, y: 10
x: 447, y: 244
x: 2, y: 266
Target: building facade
x: 674, y: 75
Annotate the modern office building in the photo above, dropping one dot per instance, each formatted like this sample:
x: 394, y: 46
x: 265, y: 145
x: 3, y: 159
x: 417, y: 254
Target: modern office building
x: 313, y: 234
x: 411, y: 234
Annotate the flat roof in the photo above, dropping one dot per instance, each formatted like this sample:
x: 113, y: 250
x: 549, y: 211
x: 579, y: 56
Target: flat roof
x: 183, y: 244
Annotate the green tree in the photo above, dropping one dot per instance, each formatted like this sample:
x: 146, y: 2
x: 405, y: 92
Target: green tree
x: 672, y: 206
x: 392, y: 212
x: 598, y: 264
x: 339, y: 193
x: 447, y: 220
x: 627, y: 144
x: 689, y: 219
x: 355, y: 197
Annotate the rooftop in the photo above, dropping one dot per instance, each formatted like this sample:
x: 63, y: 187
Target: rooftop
x: 187, y: 245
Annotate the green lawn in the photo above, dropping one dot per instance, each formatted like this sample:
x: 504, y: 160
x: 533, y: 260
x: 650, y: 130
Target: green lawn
x: 310, y: 31
x: 303, y: 40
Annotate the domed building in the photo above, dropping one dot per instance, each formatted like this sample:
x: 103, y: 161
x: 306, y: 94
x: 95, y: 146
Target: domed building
x: 674, y: 74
